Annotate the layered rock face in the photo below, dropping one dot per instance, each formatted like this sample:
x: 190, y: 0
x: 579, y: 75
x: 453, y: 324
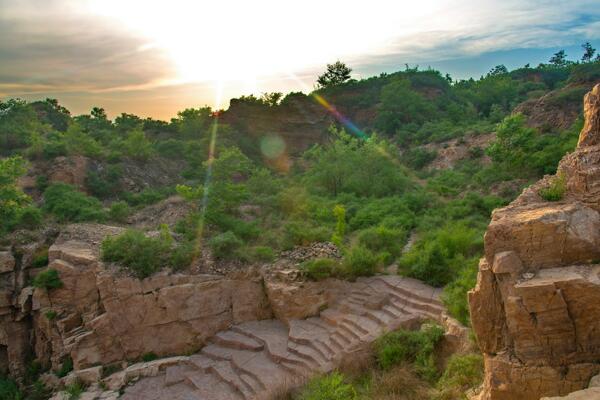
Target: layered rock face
x: 100, y: 316
x: 536, y: 306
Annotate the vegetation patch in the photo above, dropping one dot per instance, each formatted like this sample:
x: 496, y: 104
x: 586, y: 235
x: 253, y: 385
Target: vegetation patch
x: 555, y: 191
x: 47, y: 279
x: 143, y: 255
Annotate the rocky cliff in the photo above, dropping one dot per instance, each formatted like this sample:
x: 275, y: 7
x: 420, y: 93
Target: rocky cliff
x: 536, y: 307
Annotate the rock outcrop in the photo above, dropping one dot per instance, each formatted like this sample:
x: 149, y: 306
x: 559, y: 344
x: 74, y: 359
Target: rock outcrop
x: 256, y: 359
x: 536, y: 307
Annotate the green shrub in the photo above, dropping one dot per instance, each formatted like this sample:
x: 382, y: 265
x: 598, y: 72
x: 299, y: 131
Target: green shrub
x: 147, y: 357
x: 556, y: 189
x: 455, y: 293
x: 75, y: 390
x: 40, y: 258
x: 51, y: 315
x: 48, y: 279
x: 463, y: 370
x: 65, y: 368
x: 119, y: 211
x: 462, y: 373
x: 340, y: 225
x: 360, y: 261
x: 321, y: 268
x: 144, y: 255
x: 70, y: 205
x: 9, y: 390
x: 439, y: 255
x: 262, y: 254
x: 328, y: 387
x: 29, y: 217
x: 183, y: 255
x: 416, y: 347
x: 225, y: 245
x: 302, y: 233
x: 381, y: 239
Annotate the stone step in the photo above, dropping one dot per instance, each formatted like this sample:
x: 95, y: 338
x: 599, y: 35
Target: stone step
x: 365, y: 325
x: 404, y: 296
x: 305, y: 333
x: 407, y: 308
x: 236, y: 340
x: 259, y: 365
x: 225, y: 371
x: 412, y: 289
x: 210, y: 387
x: 274, y: 335
x: 417, y: 305
x: 313, y: 357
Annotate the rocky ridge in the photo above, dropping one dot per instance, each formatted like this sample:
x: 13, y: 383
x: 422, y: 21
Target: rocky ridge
x: 240, y: 334
x: 535, y: 307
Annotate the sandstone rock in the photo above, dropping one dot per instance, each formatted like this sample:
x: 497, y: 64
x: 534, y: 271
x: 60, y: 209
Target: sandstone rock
x: 7, y: 262
x: 585, y: 394
x: 71, y: 170
x: 590, y: 135
x: 536, y: 310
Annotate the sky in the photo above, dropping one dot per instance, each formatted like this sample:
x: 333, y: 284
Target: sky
x: 154, y: 58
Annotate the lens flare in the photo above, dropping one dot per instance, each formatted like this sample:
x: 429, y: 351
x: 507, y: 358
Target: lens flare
x: 272, y: 146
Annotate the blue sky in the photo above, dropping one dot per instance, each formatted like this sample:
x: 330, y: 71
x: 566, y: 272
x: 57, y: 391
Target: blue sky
x: 154, y: 58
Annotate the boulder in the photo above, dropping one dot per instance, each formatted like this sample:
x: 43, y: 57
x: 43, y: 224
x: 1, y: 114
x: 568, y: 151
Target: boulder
x: 536, y: 307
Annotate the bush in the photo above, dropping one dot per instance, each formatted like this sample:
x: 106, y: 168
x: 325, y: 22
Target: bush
x: 70, y: 205
x: 40, y: 258
x: 147, y: 357
x: 145, y: 255
x: 556, y: 189
x: 383, y: 240
x: 65, y: 368
x: 48, y: 279
x: 439, y: 255
x: 9, y: 390
x: 75, y: 390
x: 455, y: 293
x: 416, y: 347
x: 321, y: 268
x: 119, y: 211
x: 29, y: 217
x: 328, y: 387
x: 262, y: 253
x: 462, y: 372
x: 298, y: 233
x: 225, y: 245
x: 360, y: 261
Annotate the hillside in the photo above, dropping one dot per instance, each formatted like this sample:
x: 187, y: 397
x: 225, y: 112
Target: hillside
x: 264, y: 211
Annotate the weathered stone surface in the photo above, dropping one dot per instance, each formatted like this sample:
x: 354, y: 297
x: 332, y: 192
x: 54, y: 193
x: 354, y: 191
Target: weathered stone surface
x: 590, y: 134
x: 7, y: 262
x: 536, y: 310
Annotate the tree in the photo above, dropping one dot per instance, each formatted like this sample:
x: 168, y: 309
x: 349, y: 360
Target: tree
x: 272, y: 99
x: 558, y: 59
x: 12, y: 198
x: 498, y: 70
x: 588, y: 52
x: 336, y: 74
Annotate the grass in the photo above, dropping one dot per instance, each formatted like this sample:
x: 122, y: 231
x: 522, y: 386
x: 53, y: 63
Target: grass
x: 555, y: 191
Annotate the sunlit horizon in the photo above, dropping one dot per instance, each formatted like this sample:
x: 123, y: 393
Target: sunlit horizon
x: 154, y: 58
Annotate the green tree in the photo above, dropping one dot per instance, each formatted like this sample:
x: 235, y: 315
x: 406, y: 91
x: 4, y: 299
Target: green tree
x: 137, y: 145
x: 272, y: 99
x: 498, y: 70
x: 336, y: 74
x: 193, y: 122
x: 401, y: 105
x: 339, y: 211
x: 512, y: 144
x: 559, y: 58
x: 588, y: 52
x: 12, y: 199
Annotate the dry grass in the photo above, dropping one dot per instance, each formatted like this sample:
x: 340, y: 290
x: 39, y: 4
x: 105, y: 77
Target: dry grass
x: 398, y: 383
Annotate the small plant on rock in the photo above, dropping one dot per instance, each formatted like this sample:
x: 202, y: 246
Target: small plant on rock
x: 48, y: 279
x: 556, y: 189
